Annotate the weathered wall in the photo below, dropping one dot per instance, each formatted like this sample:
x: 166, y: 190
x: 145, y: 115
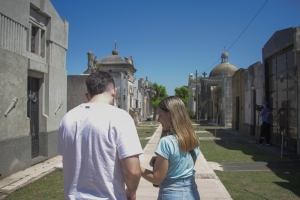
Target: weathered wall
x: 57, y: 101
x: 254, y: 93
x: 76, y: 90
x: 297, y: 63
x: 280, y: 61
x: 13, y: 76
x: 238, y: 92
x: 17, y: 64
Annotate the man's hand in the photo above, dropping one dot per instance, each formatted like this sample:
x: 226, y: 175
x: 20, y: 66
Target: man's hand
x: 132, y: 174
x: 130, y: 195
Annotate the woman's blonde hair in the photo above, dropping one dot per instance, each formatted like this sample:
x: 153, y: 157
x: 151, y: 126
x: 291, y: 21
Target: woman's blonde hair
x: 180, y: 124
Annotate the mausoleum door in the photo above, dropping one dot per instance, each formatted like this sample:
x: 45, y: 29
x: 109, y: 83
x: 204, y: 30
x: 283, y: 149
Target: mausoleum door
x: 33, y: 114
x: 237, y: 108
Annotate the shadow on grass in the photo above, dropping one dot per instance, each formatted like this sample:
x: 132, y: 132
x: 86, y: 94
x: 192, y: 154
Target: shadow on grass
x: 261, y: 184
x: 236, y: 150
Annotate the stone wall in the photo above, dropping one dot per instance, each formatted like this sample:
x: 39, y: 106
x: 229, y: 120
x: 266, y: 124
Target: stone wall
x: 13, y: 76
x: 76, y: 90
x: 18, y: 65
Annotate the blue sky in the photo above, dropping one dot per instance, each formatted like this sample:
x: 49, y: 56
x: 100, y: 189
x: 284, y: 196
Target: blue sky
x: 170, y: 39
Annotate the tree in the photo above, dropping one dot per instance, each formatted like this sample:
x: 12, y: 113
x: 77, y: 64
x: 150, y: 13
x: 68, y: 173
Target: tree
x: 183, y: 93
x: 160, y: 94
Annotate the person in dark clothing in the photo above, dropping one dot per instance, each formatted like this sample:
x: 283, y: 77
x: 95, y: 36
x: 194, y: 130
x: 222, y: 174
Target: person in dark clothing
x: 265, y: 127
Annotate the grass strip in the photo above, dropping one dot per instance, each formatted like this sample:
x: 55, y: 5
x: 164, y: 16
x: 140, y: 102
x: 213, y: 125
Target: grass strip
x: 261, y: 184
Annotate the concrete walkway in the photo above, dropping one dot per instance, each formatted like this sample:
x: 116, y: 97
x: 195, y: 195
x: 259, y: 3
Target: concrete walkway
x: 209, y: 185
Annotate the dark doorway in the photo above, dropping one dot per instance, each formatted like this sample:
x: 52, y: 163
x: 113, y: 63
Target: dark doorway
x: 254, y: 113
x: 33, y: 114
x: 237, y: 109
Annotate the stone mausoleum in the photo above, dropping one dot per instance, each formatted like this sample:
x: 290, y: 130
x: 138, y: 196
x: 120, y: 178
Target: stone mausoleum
x: 132, y: 96
x: 33, y: 45
x: 216, y: 93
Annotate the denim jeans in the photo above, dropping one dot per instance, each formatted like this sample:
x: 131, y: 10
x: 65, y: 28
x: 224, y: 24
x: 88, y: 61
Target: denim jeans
x: 178, y: 189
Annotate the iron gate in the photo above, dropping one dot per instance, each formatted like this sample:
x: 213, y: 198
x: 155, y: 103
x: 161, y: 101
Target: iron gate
x: 33, y: 114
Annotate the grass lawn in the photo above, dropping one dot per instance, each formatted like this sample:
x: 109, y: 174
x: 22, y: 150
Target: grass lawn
x: 51, y: 186
x: 48, y: 187
x: 261, y: 185
x: 144, y: 133
x: 250, y: 184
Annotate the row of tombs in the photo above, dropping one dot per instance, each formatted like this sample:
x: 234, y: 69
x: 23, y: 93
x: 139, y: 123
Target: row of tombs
x: 231, y: 97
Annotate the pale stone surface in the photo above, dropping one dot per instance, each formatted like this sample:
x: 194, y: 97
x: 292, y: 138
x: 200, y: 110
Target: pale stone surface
x: 215, y: 166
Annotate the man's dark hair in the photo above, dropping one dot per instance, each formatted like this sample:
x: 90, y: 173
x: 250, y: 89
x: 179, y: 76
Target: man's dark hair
x: 99, y: 82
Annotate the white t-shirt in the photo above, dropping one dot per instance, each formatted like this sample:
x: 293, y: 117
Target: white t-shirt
x: 92, y: 138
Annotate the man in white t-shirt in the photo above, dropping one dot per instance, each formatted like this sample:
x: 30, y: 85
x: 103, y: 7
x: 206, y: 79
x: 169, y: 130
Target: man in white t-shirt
x: 100, y: 146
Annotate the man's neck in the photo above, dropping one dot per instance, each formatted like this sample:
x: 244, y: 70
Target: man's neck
x: 102, y: 98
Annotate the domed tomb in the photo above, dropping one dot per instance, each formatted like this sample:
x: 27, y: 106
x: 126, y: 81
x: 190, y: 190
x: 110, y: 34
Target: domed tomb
x: 113, y: 59
x: 224, y: 68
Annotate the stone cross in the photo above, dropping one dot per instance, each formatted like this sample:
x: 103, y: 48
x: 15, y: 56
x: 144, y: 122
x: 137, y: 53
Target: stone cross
x: 204, y: 74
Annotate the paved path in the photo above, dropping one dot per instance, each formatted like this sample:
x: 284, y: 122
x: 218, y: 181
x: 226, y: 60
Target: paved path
x: 209, y: 185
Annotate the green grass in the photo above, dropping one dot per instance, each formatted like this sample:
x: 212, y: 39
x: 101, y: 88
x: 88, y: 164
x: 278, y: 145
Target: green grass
x: 145, y: 132
x: 51, y: 186
x: 250, y: 184
x: 261, y: 185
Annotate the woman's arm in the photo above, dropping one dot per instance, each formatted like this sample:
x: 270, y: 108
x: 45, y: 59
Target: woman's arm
x: 159, y: 173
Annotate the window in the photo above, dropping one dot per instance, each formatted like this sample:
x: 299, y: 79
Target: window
x: 34, y: 39
x: 37, y: 33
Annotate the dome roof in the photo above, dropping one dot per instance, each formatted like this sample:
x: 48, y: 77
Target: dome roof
x: 224, y: 68
x: 115, y: 52
x: 224, y: 55
x: 113, y: 59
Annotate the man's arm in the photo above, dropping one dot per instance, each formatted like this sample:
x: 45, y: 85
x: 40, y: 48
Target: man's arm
x: 132, y: 174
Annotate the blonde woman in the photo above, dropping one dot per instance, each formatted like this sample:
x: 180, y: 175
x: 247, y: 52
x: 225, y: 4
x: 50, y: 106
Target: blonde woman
x: 174, y: 170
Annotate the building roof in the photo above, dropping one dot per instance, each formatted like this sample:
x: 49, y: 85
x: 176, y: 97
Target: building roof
x: 223, y: 69
x: 113, y: 59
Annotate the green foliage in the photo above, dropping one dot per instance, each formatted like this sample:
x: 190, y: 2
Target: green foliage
x: 218, y: 93
x: 98, y: 67
x: 160, y: 94
x: 183, y: 93
x: 191, y: 113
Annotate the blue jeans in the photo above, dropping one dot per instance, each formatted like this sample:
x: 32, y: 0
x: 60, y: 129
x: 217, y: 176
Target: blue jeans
x: 178, y: 189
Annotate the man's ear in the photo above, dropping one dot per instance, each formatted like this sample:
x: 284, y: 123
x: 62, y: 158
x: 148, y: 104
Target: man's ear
x: 87, y: 96
x: 114, y: 92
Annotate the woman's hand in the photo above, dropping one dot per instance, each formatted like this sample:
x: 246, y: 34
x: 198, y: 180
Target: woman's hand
x: 153, y: 159
x: 159, y: 171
